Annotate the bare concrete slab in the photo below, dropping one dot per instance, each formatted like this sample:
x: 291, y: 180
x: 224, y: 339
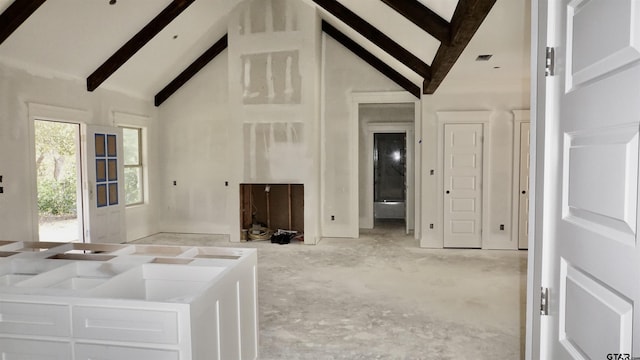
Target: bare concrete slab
x: 382, y: 297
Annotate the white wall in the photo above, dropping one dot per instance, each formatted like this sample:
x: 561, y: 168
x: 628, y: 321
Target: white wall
x: 18, y: 88
x: 499, y: 163
x: 344, y: 73
x: 198, y: 153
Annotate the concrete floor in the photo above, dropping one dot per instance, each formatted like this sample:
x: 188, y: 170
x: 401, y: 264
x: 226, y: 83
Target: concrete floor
x: 382, y: 297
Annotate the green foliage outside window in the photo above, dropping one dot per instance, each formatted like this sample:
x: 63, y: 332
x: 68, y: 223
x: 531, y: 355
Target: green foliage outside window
x: 56, y: 167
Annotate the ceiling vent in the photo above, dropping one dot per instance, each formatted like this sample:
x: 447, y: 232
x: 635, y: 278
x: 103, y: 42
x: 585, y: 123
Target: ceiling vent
x: 484, y: 57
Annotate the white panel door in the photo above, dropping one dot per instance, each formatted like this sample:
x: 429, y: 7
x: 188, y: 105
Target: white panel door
x: 523, y: 208
x: 591, y: 257
x: 104, y: 185
x: 463, y: 185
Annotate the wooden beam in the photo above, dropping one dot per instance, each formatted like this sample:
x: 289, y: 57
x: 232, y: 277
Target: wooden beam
x: 136, y: 43
x: 15, y: 15
x: 424, y: 17
x: 371, y: 59
x: 191, y: 70
x: 376, y: 36
x: 466, y: 20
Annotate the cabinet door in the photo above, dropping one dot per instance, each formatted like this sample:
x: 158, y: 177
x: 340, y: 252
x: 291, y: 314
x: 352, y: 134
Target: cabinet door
x: 17, y: 349
x: 34, y: 319
x: 117, y: 324
x: 111, y: 352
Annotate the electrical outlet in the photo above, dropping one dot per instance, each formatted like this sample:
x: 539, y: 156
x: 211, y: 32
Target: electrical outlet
x: 226, y: 183
x: 1, y: 190
x: 0, y: 178
x: 430, y: 226
x: 175, y: 183
x: 502, y: 227
x: 333, y: 217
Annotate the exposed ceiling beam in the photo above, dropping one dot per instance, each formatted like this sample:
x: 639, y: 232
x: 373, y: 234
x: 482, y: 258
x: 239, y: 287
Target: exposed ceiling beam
x: 466, y: 20
x: 136, y: 43
x: 371, y: 59
x: 15, y: 15
x: 191, y: 70
x: 376, y: 36
x: 424, y: 17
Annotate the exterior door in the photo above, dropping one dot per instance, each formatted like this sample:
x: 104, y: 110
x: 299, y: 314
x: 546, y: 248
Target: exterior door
x: 591, y: 255
x: 523, y: 209
x: 104, y: 186
x: 463, y: 185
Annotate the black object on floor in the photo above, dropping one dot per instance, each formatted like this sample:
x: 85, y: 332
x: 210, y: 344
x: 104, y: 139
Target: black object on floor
x: 281, y: 238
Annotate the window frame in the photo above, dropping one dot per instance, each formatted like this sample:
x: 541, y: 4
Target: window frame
x: 139, y: 165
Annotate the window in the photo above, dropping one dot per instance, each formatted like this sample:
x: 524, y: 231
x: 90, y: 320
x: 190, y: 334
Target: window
x: 133, y: 181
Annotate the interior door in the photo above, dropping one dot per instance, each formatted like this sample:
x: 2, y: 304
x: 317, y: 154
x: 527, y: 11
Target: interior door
x: 104, y: 185
x: 463, y: 185
x: 523, y: 210
x: 591, y: 255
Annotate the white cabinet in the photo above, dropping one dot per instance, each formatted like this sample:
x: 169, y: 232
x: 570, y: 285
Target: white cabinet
x: 127, y: 302
x: 21, y: 349
x: 108, y: 352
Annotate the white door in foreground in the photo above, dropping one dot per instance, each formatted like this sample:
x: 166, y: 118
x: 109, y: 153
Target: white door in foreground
x: 591, y: 256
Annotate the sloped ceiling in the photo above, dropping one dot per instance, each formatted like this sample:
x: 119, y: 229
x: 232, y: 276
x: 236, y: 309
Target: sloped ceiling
x: 72, y: 38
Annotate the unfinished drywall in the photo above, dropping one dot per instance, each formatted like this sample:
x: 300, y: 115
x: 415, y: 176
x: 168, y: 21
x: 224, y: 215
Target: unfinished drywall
x: 274, y: 99
x: 19, y: 88
x: 344, y: 74
x: 498, y: 163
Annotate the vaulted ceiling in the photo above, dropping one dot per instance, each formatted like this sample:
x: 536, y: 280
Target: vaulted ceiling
x: 84, y: 39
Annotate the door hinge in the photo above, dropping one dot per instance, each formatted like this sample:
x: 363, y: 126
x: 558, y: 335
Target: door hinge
x: 544, y: 301
x: 550, y: 62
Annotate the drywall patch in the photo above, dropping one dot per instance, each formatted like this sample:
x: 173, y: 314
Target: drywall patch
x: 271, y: 78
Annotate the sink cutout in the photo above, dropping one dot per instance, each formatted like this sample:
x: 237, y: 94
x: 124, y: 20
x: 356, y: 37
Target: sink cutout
x: 77, y: 275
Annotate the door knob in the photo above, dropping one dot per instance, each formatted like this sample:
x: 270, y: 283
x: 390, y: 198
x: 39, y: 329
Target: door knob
x: 524, y: 192
x: 447, y: 191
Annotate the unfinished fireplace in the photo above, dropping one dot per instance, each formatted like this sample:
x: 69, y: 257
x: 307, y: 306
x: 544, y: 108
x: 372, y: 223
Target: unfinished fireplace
x: 267, y: 208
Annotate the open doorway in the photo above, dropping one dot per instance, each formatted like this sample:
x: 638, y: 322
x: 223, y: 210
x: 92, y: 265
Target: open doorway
x: 59, y: 195
x: 387, y: 156
x: 389, y: 177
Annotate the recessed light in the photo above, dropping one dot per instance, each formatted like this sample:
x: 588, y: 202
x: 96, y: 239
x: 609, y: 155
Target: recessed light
x: 175, y: 36
x: 496, y: 67
x: 112, y: 2
x: 484, y: 57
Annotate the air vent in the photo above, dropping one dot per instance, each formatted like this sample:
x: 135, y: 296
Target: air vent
x: 485, y: 57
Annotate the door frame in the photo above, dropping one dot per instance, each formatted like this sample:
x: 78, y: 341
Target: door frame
x: 407, y: 128
x: 464, y: 117
x: 538, y: 205
x: 386, y: 97
x: 45, y: 112
x: 519, y: 117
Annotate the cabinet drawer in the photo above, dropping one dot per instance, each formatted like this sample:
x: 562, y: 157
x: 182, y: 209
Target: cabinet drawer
x: 110, y: 352
x: 132, y: 325
x: 34, y: 319
x: 17, y: 349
